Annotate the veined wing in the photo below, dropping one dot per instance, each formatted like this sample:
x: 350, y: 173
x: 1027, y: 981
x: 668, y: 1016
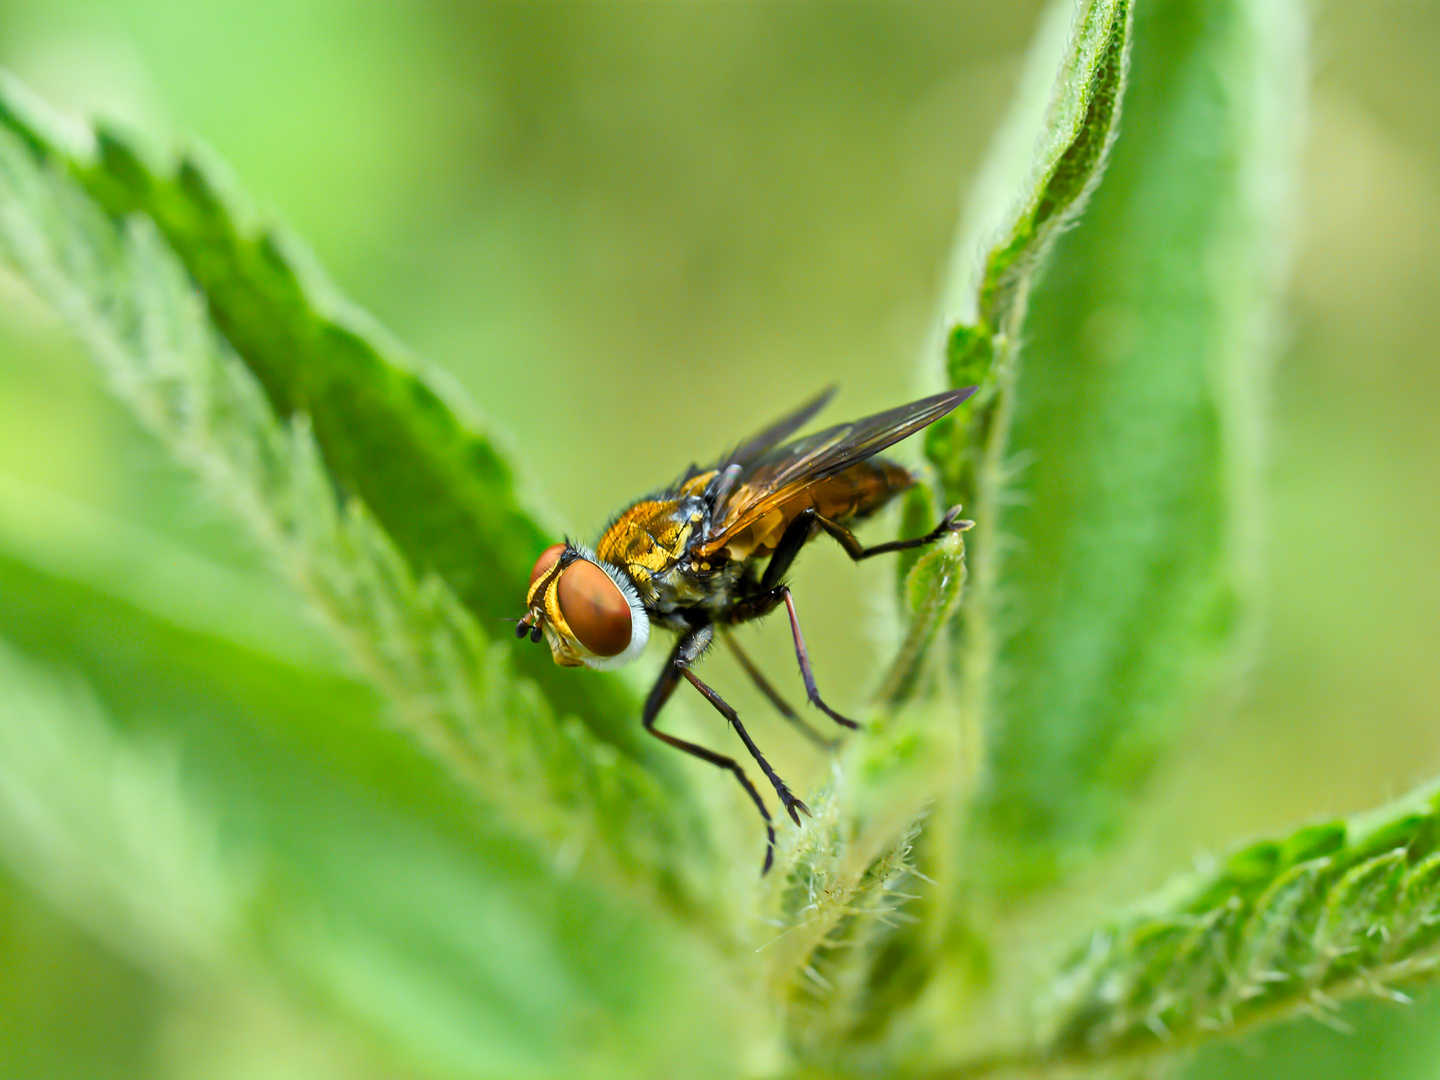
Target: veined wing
x: 737, y: 461
x: 771, y: 478
x: 749, y: 452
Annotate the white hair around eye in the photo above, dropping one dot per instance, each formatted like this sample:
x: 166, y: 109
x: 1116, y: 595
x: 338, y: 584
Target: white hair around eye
x: 639, y: 620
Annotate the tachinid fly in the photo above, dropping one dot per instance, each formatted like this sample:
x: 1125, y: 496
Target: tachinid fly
x: 711, y: 551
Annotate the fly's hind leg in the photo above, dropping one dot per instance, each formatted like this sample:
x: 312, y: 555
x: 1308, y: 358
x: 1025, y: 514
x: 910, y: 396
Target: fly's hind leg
x: 794, y: 538
x: 798, y: 533
x: 951, y: 522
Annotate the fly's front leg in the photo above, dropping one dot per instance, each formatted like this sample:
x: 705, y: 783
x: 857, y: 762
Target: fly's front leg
x: 685, y: 655
x: 793, y: 806
x: 686, y: 651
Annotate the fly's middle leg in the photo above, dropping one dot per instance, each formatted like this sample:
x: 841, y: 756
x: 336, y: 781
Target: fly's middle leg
x: 764, y: 603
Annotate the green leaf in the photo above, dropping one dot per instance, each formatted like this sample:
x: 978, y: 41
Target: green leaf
x: 1289, y: 937
x: 106, y: 831
x: 1053, y: 156
x: 1062, y: 167
x: 1127, y: 531
x: 315, y: 883
x: 451, y: 689
x: 1366, y: 1038
x: 1080, y: 129
x: 391, y: 431
x: 923, y: 760
x: 844, y: 990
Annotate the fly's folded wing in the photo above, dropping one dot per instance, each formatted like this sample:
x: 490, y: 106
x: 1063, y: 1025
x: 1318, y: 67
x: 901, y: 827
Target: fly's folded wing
x: 771, y: 478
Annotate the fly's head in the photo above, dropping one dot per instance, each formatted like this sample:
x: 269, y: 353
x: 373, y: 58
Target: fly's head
x: 585, y: 608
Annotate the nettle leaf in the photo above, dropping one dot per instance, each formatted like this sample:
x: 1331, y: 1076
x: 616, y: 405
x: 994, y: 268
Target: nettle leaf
x: 855, y: 953
x: 1061, y: 168
x: 1283, y: 929
x: 391, y: 431
x: 123, y: 291
x: 349, y: 921
x: 1127, y: 531
x: 1052, y: 151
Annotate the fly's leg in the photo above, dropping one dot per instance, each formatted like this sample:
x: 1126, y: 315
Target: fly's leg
x: 951, y: 522
x: 781, y: 705
x: 799, y: 531
x: 659, y: 694
x: 793, y: 806
x: 686, y: 650
x: 803, y: 655
x: 754, y: 607
x: 796, y: 535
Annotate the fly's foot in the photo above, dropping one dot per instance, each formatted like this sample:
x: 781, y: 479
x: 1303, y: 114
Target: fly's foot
x: 793, y: 806
x: 843, y: 721
x: 952, y: 522
x: 769, y: 849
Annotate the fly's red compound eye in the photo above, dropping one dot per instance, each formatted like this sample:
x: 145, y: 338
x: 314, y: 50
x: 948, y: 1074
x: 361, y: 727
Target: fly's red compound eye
x: 595, y: 608
x: 546, y: 560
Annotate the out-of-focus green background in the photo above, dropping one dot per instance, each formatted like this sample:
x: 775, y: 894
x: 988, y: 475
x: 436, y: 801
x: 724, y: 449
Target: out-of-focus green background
x: 635, y: 233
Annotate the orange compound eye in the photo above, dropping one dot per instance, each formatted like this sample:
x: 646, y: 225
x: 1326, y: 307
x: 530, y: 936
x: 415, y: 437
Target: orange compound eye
x: 546, y: 560
x: 595, y: 608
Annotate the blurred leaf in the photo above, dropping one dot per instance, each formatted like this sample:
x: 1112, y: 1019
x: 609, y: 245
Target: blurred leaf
x: 453, y: 691
x: 153, y: 629
x: 390, y: 431
x: 71, y: 1008
x: 107, y: 833
x: 1365, y: 1037
x: 64, y: 539
x: 292, y: 890
x: 1129, y: 523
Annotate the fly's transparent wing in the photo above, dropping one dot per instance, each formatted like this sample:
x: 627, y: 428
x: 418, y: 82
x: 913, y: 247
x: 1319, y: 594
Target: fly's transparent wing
x: 770, y: 478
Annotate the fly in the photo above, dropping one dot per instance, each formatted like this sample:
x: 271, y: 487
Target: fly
x: 711, y: 552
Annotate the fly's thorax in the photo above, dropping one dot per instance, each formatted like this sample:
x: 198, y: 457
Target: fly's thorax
x: 588, y: 610
x: 650, y: 539
x: 695, y: 583
x: 654, y: 542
